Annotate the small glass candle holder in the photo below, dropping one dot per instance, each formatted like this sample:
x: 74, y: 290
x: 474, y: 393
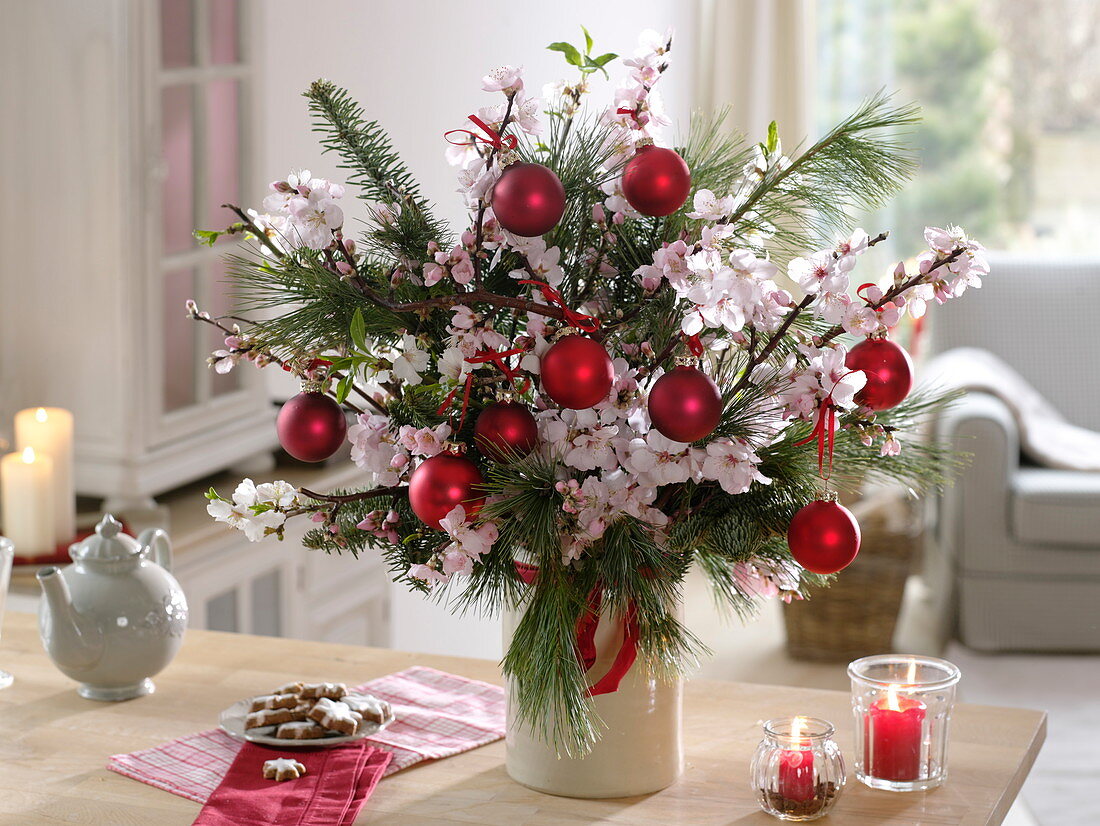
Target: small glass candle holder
x: 902, y: 706
x: 797, y: 770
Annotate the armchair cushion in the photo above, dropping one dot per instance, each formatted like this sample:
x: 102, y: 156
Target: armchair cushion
x: 1053, y: 507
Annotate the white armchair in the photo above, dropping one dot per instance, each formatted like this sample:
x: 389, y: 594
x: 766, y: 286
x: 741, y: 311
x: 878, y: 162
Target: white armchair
x: 1018, y: 544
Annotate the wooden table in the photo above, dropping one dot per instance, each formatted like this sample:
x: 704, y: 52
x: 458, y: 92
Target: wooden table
x: 53, y: 746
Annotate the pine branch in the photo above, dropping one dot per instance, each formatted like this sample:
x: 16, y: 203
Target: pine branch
x: 375, y: 167
x: 855, y: 166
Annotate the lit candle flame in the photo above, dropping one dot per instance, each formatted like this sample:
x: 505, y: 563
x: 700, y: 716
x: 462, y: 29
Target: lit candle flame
x: 797, y: 725
x: 892, y: 698
x: 41, y: 414
x: 28, y: 455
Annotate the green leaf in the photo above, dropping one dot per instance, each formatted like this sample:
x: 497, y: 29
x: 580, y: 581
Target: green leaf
x: 343, y: 388
x: 212, y: 495
x: 587, y: 41
x: 344, y: 363
x: 359, y: 330
x: 773, y: 137
x: 207, y: 237
x: 604, y: 59
x: 572, y: 56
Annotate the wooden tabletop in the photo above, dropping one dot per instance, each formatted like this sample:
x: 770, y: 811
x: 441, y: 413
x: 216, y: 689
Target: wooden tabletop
x: 54, y: 745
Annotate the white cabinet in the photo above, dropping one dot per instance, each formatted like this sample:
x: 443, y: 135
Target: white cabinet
x: 134, y: 119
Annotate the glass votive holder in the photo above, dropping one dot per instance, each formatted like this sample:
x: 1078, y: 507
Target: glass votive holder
x: 797, y: 771
x: 902, y: 706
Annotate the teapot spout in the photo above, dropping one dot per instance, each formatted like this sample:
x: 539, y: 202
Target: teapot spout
x: 70, y: 641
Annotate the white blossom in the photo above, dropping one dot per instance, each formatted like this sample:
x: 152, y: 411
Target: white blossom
x: 733, y: 464
x: 411, y: 362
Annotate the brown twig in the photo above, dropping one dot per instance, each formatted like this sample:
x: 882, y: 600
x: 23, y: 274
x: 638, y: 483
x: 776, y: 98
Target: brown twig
x: 343, y: 498
x: 480, y: 228
x: 255, y: 230
x: 897, y: 290
x: 214, y: 322
x: 773, y: 342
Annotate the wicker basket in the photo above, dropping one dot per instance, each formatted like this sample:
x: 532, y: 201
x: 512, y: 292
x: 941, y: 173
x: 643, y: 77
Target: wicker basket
x: 856, y: 615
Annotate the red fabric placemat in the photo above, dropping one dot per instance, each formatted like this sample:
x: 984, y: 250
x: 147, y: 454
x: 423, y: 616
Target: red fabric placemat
x: 436, y: 715
x: 336, y: 784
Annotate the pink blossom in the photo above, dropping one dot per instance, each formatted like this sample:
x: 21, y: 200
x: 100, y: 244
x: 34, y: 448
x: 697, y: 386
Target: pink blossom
x: 507, y: 79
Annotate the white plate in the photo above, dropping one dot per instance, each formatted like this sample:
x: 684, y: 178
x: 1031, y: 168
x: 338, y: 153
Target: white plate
x: 232, y: 723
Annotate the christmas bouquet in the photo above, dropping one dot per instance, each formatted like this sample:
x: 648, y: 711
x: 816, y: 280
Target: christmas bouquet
x: 632, y: 359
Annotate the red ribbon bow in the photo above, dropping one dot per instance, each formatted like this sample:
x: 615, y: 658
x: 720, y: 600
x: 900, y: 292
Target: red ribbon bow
x: 632, y: 112
x: 694, y: 344
x: 493, y: 138
x: 587, y: 623
x: 586, y: 323
x: 483, y: 357
x: 825, y: 430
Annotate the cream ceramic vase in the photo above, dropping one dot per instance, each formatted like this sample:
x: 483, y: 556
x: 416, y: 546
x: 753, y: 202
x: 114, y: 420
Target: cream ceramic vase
x: 640, y: 751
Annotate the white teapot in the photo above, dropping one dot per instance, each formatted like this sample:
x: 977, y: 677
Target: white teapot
x: 113, y: 618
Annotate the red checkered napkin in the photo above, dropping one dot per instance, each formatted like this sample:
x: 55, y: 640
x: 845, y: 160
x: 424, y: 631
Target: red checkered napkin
x: 437, y: 715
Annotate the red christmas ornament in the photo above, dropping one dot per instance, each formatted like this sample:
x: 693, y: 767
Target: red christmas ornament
x: 684, y: 404
x: 576, y: 372
x: 656, y: 181
x: 311, y: 426
x: 889, y: 372
x: 528, y: 199
x: 505, y: 430
x: 443, y: 481
x: 823, y: 537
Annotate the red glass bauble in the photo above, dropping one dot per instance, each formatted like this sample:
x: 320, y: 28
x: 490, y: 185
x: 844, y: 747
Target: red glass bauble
x: 685, y: 405
x: 528, y: 199
x: 889, y: 372
x: 656, y: 181
x: 823, y: 537
x: 311, y: 426
x: 440, y: 483
x: 576, y: 372
x: 505, y: 430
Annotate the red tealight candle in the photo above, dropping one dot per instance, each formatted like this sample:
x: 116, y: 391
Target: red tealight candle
x: 894, y: 729
x: 796, y: 767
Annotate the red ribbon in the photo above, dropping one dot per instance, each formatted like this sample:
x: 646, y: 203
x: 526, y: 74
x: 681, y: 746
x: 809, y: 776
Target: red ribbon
x: 587, y: 623
x: 825, y: 430
x: 632, y: 112
x: 493, y: 138
x: 824, y: 433
x: 484, y: 357
x: 862, y: 287
x: 694, y: 344
x: 586, y: 323
x: 313, y: 365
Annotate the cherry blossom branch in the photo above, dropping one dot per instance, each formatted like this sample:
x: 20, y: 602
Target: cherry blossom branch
x: 899, y: 289
x: 261, y: 236
x: 478, y: 295
x: 214, y: 322
x: 344, y: 498
x: 480, y: 228
x: 773, y: 342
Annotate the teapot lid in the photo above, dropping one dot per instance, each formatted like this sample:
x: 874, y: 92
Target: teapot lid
x: 108, y: 542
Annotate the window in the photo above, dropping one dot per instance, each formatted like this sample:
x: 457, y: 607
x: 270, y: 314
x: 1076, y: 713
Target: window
x: 202, y: 87
x: 1010, y: 91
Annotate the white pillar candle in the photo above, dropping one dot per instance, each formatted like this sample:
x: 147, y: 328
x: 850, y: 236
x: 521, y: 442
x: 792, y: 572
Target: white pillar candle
x: 26, y: 487
x: 49, y: 430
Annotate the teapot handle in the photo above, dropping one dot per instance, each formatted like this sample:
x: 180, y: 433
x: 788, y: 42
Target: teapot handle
x: 156, y: 539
